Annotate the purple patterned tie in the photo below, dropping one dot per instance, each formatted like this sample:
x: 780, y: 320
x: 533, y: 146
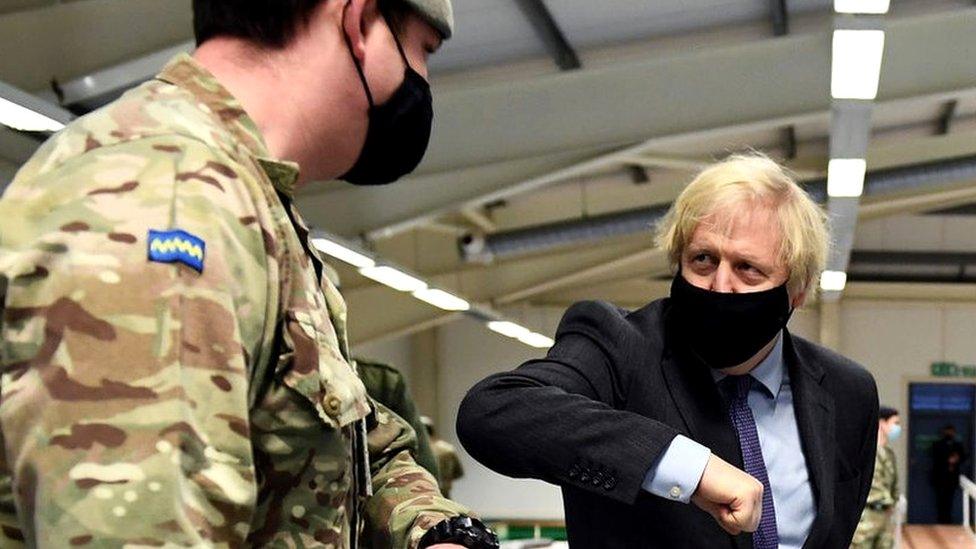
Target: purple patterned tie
x: 765, y: 537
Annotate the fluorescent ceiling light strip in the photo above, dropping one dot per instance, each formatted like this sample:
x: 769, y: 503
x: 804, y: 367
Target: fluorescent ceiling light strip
x: 845, y: 177
x: 833, y: 280
x: 343, y: 253
x: 398, y: 280
x: 872, y: 7
x: 538, y: 341
x: 394, y: 278
x: 508, y: 329
x: 441, y: 299
x: 22, y: 118
x: 856, y: 65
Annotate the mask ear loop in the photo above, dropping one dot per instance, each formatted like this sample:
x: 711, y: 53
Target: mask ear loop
x: 359, y: 68
x: 399, y: 46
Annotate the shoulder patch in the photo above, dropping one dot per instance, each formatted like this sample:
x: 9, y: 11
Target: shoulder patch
x: 177, y: 246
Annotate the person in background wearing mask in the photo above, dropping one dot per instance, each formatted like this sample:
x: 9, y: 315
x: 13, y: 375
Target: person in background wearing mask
x: 704, y: 397
x: 176, y: 370
x: 948, y: 456
x: 876, y: 528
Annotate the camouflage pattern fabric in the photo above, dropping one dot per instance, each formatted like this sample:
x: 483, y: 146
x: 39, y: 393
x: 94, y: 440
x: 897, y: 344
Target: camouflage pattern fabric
x: 386, y: 384
x: 448, y: 464
x: 150, y: 403
x: 876, y: 529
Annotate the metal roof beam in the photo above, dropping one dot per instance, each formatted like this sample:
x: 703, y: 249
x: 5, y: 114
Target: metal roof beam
x: 633, y: 103
x: 551, y: 35
x: 780, y: 17
x: 789, y: 142
x: 947, y: 117
x: 87, y: 93
x: 888, y: 257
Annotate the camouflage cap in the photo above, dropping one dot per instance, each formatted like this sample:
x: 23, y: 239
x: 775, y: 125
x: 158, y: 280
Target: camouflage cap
x: 438, y: 13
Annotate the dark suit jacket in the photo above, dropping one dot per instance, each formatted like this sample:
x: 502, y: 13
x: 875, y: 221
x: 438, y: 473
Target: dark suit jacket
x: 594, y: 415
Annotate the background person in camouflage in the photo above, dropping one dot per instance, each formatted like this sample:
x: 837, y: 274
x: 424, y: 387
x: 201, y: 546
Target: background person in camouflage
x: 876, y: 528
x: 449, y: 466
x: 386, y: 384
x: 175, y: 369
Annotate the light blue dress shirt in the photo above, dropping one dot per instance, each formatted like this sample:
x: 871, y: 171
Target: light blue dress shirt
x: 677, y: 472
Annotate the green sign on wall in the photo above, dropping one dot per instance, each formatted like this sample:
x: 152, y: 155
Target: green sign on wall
x: 951, y: 369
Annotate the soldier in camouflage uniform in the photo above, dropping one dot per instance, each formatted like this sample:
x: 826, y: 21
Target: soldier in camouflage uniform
x: 876, y: 528
x: 449, y: 466
x: 175, y: 368
x: 387, y: 385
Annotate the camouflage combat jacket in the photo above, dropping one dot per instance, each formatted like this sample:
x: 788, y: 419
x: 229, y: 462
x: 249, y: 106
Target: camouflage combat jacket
x: 174, y: 367
x: 884, y: 484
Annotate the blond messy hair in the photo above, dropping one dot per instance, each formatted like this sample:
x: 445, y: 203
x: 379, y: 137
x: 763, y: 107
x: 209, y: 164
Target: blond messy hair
x: 748, y: 182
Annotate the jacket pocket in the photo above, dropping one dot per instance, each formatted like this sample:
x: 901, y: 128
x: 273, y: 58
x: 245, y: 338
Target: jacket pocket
x: 318, y: 371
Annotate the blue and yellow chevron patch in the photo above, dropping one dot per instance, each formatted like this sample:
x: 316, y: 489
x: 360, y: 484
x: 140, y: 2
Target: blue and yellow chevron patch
x: 177, y: 246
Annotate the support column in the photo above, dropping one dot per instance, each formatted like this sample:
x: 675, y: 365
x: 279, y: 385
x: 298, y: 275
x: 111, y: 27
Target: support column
x: 425, y: 371
x: 830, y: 323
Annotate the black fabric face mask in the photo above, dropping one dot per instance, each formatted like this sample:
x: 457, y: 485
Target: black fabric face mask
x: 724, y: 330
x: 398, y: 131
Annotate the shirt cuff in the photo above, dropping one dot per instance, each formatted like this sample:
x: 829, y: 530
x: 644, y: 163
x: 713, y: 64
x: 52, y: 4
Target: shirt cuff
x: 676, y: 473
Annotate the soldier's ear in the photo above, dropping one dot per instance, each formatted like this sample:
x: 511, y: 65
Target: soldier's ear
x: 355, y: 22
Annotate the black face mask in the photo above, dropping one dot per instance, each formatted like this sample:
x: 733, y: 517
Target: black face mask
x: 724, y: 330
x: 398, y: 131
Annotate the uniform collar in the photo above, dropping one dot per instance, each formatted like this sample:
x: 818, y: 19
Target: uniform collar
x: 770, y: 373
x: 215, y: 99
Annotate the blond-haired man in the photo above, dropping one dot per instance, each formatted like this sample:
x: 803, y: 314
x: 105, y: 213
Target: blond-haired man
x: 704, y: 397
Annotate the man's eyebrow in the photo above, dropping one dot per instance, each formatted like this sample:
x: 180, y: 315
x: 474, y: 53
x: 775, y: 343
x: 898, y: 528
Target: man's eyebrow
x: 696, y: 248
x: 755, y: 260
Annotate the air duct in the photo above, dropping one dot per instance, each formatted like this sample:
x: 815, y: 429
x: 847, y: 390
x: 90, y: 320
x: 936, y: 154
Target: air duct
x: 565, y: 233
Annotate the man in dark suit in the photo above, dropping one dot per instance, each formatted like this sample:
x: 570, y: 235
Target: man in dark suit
x: 948, y: 456
x: 702, y: 398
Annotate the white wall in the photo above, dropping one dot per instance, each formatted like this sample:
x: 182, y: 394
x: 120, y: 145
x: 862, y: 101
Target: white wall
x: 395, y: 352
x: 898, y: 341
x: 468, y: 353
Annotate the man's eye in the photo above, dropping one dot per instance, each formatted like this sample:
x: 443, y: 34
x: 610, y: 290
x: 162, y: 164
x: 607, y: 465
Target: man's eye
x: 751, y: 269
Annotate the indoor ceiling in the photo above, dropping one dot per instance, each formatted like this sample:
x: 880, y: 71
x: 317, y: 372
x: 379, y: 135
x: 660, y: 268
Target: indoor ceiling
x: 547, y: 120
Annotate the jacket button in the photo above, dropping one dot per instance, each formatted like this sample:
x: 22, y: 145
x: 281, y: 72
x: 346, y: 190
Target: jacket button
x: 333, y: 405
x: 574, y: 472
x: 610, y: 483
x: 598, y: 479
x: 585, y: 477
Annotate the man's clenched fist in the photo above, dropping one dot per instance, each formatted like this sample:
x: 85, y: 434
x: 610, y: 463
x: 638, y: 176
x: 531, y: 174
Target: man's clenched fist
x: 730, y: 495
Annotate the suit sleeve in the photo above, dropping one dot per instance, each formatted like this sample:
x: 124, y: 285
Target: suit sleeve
x: 124, y: 380
x: 558, y: 419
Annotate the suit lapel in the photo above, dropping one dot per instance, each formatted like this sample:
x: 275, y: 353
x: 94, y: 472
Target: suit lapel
x: 703, y: 411
x: 814, y: 410
x: 705, y: 416
x: 702, y: 408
